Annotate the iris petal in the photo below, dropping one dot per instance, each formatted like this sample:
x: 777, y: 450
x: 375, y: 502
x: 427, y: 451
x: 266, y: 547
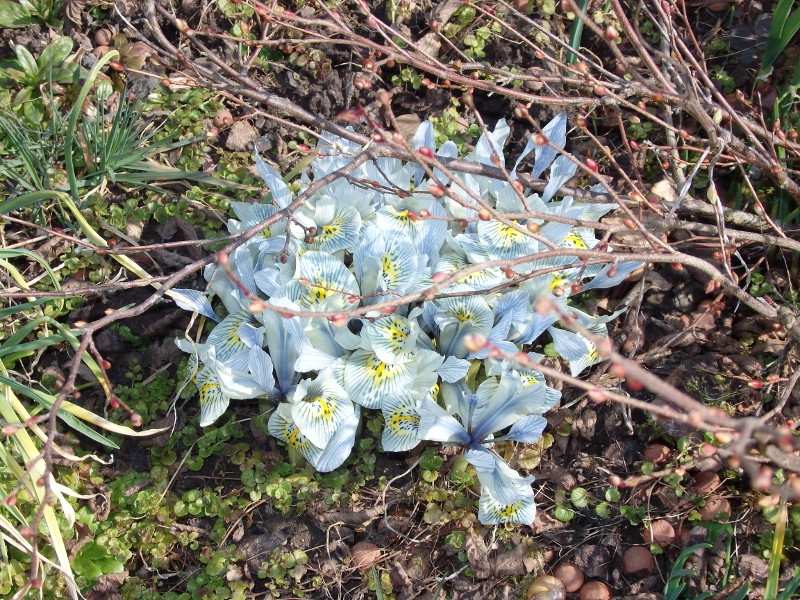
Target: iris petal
x: 401, y: 422
x: 319, y: 407
x: 369, y: 380
x: 213, y: 403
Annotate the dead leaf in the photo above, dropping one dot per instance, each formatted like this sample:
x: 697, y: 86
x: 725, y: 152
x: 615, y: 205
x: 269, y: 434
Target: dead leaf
x: 478, y: 556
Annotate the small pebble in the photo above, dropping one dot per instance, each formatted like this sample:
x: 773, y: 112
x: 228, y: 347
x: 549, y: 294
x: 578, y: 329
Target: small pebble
x: 595, y: 590
x: 637, y: 559
x: 660, y: 532
x: 570, y: 575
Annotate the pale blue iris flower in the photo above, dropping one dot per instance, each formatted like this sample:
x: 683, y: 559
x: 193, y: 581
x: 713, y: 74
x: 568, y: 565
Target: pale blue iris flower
x: 376, y: 235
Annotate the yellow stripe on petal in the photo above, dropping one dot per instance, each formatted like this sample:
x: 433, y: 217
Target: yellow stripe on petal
x: 402, y: 422
x: 282, y: 427
x: 322, y: 408
x: 369, y: 380
x: 213, y: 403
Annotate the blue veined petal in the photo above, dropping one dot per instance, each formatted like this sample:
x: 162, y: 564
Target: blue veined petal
x: 340, y: 445
x: 401, y: 422
x: 437, y: 425
x: 428, y: 363
x: 568, y: 344
x: 463, y: 309
x: 213, y: 403
x: 502, y: 483
x: 281, y: 194
x: 505, y: 402
x: 330, y: 282
x: 369, y: 380
x: 283, y: 338
x: 399, y: 264
x: 591, y: 357
x: 338, y: 226
x: 433, y: 234
x: 260, y: 365
x: 492, y: 511
x: 515, y: 304
x: 252, y: 337
x: 224, y: 338
x: 236, y: 382
x: 556, y: 132
x: 563, y: 170
x: 480, y: 458
x: 530, y: 145
x: 479, y: 280
x: 603, y: 280
x: 535, y: 327
x: 527, y: 430
x: 453, y: 369
x: 270, y: 281
x: 581, y: 238
x: 392, y: 338
x: 319, y: 408
x: 282, y: 427
x: 193, y: 300
x: 484, y: 148
x: 502, y: 242
x: 320, y: 346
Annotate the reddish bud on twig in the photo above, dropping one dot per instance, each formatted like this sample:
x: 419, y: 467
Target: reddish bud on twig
x: 475, y: 342
x: 582, y: 67
x: 611, y: 33
x: 495, y: 159
x: 509, y: 273
x: 635, y: 385
x: 619, y: 370
x: 793, y: 135
x: 361, y: 83
x: 304, y: 281
x: 775, y: 170
x: 378, y: 137
x: 37, y: 583
x: 257, y: 306
x: 339, y: 320
x: 774, y: 378
x: 10, y: 500
x: 597, y: 396
x: 756, y: 384
x: 600, y: 90
x: 539, y: 54
x: 468, y: 100
x: 114, y: 402
x: 350, y: 115
x: 352, y: 299
x: 438, y: 276
x: 575, y: 288
x: 676, y: 266
x: 544, y: 306
x: 634, y: 145
x: 426, y: 152
x: 222, y: 259
x: 136, y: 420
x: 412, y: 216
x: 484, y: 214
x: 518, y: 187
x: 592, y: 165
x: 629, y: 223
x: 580, y: 121
x: 367, y: 65
x: 558, y: 291
x: 521, y: 111
x: 79, y: 324
x: 436, y: 191
x: 27, y: 532
x: 540, y: 139
x: 708, y: 450
x: 424, y: 213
